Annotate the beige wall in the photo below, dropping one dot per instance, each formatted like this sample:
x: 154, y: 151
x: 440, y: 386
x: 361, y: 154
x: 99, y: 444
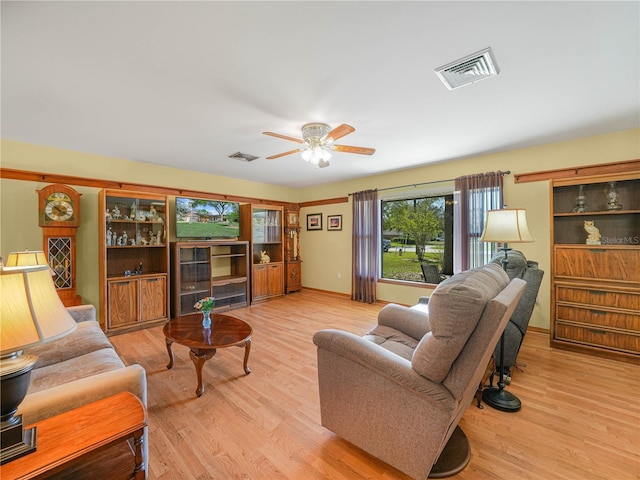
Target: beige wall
x: 326, y: 254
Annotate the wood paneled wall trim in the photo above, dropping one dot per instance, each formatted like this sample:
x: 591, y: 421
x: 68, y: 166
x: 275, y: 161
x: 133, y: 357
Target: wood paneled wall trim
x: 326, y: 201
x: 138, y: 187
x: 598, y: 169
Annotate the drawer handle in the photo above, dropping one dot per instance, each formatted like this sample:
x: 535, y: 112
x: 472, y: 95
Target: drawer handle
x: 123, y: 283
x: 597, y: 250
x: 599, y: 332
x: 597, y: 292
x: 152, y: 279
x: 597, y: 312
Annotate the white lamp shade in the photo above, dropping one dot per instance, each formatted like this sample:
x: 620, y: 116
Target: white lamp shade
x: 30, y: 310
x: 25, y: 259
x: 506, y: 226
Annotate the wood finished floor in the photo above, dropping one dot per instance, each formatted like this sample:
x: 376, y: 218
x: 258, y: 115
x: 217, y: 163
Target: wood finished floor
x: 580, y: 417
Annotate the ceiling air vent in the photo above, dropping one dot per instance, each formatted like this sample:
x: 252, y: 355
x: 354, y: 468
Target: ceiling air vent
x: 469, y: 69
x: 245, y: 157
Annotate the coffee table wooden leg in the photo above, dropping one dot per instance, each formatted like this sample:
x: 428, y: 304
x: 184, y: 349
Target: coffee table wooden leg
x: 247, y: 349
x: 170, y: 351
x: 198, y: 360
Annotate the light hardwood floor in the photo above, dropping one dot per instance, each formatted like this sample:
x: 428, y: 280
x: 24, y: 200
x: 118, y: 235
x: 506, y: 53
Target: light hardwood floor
x: 580, y: 417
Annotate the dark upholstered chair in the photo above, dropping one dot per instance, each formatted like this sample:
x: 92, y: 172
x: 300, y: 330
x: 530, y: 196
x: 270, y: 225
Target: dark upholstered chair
x: 518, y: 267
x: 430, y: 273
x: 399, y: 392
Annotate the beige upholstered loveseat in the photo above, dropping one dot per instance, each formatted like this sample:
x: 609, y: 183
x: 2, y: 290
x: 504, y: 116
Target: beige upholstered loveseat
x: 78, y: 369
x: 399, y: 391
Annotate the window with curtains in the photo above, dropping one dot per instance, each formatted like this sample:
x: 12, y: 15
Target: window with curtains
x: 474, y: 195
x: 416, y: 239
x: 432, y: 232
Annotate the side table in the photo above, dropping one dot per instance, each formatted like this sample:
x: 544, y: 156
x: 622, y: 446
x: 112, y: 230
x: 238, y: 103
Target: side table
x: 82, y: 433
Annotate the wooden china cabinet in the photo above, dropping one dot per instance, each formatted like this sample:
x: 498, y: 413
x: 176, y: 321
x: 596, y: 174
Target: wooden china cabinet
x: 292, y: 261
x: 134, y: 260
x: 595, y: 263
x: 261, y: 225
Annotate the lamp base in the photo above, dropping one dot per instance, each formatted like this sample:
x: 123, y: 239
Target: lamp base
x: 21, y: 448
x: 500, y: 399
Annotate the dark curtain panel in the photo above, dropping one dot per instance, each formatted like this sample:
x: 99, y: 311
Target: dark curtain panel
x: 366, y: 219
x: 474, y: 195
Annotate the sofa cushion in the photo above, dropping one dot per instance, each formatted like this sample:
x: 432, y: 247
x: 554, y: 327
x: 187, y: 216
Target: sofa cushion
x: 455, y: 307
x: 393, y: 340
x: 86, y: 338
x: 103, y: 360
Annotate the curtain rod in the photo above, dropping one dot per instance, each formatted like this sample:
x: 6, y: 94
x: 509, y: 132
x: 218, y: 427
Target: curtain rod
x: 506, y: 172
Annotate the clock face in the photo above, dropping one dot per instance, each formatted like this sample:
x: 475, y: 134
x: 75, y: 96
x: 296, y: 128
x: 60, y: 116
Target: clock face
x: 59, y: 210
x: 58, y: 206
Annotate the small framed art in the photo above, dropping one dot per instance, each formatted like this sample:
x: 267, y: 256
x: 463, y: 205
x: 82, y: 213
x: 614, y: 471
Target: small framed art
x: 334, y: 222
x: 314, y: 221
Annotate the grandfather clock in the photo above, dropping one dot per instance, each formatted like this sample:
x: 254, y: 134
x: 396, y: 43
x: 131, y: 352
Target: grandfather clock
x: 59, y: 217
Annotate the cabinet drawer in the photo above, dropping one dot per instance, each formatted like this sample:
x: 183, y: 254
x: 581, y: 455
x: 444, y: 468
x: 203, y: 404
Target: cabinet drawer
x: 598, y: 338
x: 598, y: 263
x: 599, y: 318
x: 595, y: 296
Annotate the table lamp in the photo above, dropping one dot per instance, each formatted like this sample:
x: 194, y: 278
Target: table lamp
x: 30, y: 313
x: 504, y: 226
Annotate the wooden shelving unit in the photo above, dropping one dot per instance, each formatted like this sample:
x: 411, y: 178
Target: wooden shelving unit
x: 292, y: 260
x: 596, y: 278
x: 209, y: 268
x: 134, y: 260
x: 261, y: 225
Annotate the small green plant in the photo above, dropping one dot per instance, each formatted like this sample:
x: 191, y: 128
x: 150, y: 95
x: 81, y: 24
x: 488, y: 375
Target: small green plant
x: 205, y: 304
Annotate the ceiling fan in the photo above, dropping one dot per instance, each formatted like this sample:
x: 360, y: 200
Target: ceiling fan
x: 318, y: 139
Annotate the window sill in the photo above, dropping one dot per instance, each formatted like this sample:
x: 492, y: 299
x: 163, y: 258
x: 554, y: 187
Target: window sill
x: 407, y: 283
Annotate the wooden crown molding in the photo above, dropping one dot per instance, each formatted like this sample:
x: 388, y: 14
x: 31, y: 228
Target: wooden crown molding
x: 597, y: 169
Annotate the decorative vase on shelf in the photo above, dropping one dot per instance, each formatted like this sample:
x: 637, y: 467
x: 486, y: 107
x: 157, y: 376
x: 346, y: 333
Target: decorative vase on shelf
x: 581, y: 205
x: 612, y: 198
x: 206, y: 318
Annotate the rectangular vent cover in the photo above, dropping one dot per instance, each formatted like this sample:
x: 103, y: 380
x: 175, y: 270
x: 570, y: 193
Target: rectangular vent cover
x: 245, y: 157
x: 470, y: 69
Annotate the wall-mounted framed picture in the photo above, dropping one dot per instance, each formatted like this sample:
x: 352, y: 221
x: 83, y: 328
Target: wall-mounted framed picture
x: 334, y: 222
x: 314, y: 221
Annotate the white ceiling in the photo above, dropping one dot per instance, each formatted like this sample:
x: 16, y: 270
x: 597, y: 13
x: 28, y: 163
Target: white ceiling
x: 186, y: 84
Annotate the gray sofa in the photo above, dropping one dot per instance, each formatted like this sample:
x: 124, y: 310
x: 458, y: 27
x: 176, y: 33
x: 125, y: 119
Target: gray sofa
x: 399, y: 391
x: 78, y: 369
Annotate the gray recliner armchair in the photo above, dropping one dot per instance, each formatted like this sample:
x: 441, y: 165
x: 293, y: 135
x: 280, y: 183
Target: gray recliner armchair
x: 518, y: 267
x: 400, y: 391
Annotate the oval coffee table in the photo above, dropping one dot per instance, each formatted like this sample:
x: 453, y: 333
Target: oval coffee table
x: 225, y: 331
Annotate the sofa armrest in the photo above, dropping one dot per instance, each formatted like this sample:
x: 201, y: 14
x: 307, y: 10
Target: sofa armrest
x: 67, y: 396
x: 82, y: 313
x: 410, y: 321
x: 381, y: 361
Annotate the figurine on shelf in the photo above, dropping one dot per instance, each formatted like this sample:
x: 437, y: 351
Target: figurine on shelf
x: 125, y: 238
x: 119, y: 241
x: 107, y: 215
x: 115, y: 214
x: 109, y: 237
x: 612, y: 198
x: 264, y: 258
x: 593, y: 233
x: 132, y: 212
x: 159, y: 238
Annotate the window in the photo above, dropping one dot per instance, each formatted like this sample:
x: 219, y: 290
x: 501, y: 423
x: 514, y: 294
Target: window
x: 417, y: 238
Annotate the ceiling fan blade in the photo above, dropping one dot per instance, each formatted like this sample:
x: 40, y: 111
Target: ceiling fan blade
x: 297, y: 140
x: 350, y: 149
x: 285, y: 153
x: 340, y: 131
